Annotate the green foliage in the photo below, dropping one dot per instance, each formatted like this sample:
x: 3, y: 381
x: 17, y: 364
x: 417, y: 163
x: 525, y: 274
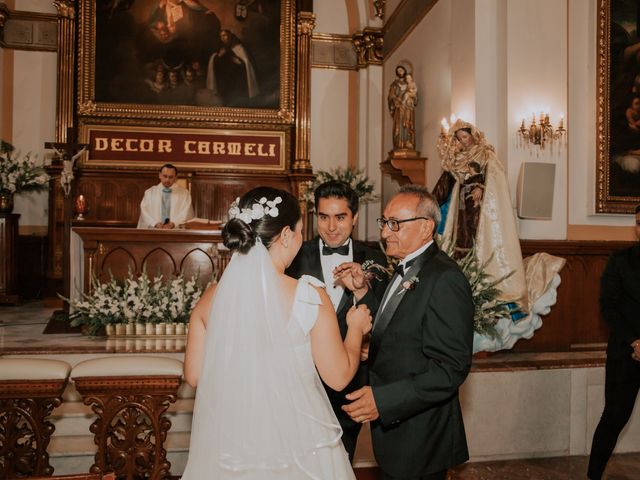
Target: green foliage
x: 356, y: 179
x: 484, y: 288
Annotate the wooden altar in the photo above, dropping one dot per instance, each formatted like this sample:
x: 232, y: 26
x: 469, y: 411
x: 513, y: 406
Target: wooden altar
x: 104, y: 252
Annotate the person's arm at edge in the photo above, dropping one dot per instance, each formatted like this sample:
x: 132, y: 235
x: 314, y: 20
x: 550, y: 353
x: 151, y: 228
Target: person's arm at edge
x: 336, y: 361
x: 194, y: 352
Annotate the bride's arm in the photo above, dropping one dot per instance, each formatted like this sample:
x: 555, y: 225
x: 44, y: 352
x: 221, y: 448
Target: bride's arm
x: 195, y: 339
x: 336, y: 361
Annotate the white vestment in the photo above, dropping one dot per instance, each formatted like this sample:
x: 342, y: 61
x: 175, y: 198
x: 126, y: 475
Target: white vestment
x: 151, y: 206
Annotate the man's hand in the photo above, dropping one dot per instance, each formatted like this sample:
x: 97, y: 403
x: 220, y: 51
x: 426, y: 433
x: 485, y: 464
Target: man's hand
x: 351, y: 276
x: 636, y: 350
x: 364, y: 348
x: 363, y: 407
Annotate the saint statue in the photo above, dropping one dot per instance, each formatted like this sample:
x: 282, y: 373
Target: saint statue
x: 402, y: 100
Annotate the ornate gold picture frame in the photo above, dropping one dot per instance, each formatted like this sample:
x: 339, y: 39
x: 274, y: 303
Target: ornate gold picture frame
x: 618, y: 107
x: 191, y: 63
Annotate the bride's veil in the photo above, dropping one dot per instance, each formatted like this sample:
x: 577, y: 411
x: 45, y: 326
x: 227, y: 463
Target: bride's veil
x: 253, y: 412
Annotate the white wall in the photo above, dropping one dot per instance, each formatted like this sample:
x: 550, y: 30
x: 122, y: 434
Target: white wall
x: 34, y: 106
x: 537, y: 79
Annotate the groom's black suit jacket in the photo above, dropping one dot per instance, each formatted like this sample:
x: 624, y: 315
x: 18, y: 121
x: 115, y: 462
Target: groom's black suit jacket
x: 307, y: 262
x: 420, y: 354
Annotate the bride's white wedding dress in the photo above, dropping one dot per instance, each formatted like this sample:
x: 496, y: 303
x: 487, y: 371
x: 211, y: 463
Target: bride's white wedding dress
x: 261, y: 412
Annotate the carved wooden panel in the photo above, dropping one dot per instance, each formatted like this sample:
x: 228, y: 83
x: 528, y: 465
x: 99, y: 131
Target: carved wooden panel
x: 8, y: 240
x: 575, y: 321
x: 24, y: 430
x: 116, y: 251
x: 212, y: 194
x: 113, y: 198
x: 131, y: 426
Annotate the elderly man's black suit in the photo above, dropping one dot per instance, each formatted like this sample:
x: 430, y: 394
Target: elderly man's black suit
x: 420, y: 354
x: 307, y: 262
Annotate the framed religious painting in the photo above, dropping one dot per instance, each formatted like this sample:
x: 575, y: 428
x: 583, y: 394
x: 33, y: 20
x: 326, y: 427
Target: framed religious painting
x: 618, y: 106
x: 207, y: 84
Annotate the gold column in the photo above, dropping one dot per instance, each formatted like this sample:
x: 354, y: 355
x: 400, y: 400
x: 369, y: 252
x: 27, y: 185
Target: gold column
x: 302, y: 162
x: 66, y: 48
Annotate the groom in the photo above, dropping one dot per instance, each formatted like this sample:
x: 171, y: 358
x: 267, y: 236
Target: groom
x: 420, y: 351
x: 336, y: 206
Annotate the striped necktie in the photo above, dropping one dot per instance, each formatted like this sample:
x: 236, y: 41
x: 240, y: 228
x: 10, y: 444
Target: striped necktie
x: 165, y: 209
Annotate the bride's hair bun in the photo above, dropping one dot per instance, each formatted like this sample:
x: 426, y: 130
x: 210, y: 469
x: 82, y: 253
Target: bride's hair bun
x: 239, y: 236
x: 261, y: 213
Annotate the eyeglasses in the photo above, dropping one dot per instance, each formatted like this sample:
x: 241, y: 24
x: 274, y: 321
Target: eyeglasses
x: 393, y: 224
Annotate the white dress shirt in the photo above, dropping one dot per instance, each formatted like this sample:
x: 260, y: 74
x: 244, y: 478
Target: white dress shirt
x: 397, y: 278
x: 329, y: 263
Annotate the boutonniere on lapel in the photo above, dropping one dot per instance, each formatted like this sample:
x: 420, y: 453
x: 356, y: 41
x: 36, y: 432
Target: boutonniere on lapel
x: 374, y: 271
x: 409, y: 284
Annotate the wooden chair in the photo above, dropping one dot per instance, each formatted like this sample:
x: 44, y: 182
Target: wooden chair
x: 81, y: 476
x: 130, y: 395
x: 29, y: 391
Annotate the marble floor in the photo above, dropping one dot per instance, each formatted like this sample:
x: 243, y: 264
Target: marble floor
x: 621, y: 467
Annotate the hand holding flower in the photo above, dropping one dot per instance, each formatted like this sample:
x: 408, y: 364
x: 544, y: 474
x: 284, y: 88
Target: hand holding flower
x: 351, y: 276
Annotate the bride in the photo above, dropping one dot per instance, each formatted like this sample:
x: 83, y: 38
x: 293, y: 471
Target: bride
x: 257, y: 341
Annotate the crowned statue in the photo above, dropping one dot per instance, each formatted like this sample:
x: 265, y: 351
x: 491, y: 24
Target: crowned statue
x: 478, y: 217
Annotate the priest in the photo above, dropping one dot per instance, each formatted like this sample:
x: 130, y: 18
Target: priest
x: 167, y: 204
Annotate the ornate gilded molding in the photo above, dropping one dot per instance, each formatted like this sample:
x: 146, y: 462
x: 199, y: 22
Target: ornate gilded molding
x: 301, y: 161
x: 368, y: 45
x: 66, y: 8
x: 4, y: 14
x: 379, y: 5
x: 21, y: 30
x: 66, y: 67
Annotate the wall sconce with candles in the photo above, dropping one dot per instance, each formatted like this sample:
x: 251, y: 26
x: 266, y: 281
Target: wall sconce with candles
x: 542, y: 133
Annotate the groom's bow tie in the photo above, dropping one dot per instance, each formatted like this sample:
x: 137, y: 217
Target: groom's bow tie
x: 341, y: 250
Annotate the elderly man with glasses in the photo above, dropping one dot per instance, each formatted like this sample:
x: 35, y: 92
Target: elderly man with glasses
x: 420, y: 350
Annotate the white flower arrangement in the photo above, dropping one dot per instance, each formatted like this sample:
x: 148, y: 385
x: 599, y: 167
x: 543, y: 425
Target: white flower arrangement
x: 19, y: 174
x: 136, y: 300
x: 258, y: 210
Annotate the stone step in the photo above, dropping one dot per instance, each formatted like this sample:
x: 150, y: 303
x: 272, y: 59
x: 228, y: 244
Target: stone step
x: 78, y: 445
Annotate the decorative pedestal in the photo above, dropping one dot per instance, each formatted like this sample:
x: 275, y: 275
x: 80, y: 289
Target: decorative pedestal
x: 130, y: 396
x: 405, y: 166
x: 29, y: 391
x: 8, y: 242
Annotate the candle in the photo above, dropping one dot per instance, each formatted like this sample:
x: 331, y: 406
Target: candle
x: 444, y: 126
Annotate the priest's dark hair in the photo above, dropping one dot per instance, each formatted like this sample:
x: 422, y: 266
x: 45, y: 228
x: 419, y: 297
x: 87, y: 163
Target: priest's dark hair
x: 169, y: 165
x: 337, y: 189
x: 241, y: 236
